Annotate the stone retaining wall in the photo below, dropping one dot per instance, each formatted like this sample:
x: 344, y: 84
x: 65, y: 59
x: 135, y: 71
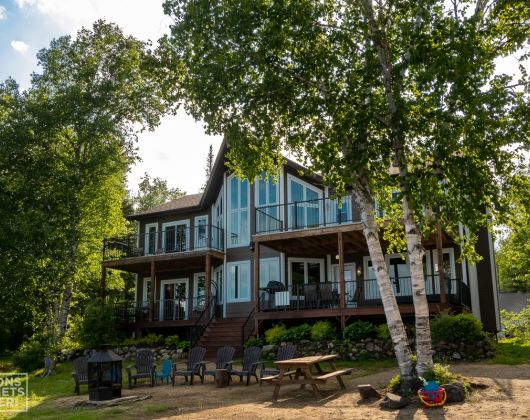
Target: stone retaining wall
x: 128, y: 352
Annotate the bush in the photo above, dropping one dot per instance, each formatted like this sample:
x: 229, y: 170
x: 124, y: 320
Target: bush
x: 383, y: 333
x: 359, y: 330
x: 151, y: 340
x: 517, y: 325
x: 322, y: 331
x: 171, y: 341
x: 276, y: 334
x: 443, y: 375
x: 298, y: 333
x: 453, y: 328
x: 30, y: 355
x: 254, y: 342
x: 95, y: 327
x: 184, y: 345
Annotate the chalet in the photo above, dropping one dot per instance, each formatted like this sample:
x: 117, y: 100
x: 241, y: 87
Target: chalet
x: 227, y: 263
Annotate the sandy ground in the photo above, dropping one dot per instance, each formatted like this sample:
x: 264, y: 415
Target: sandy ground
x: 506, y: 395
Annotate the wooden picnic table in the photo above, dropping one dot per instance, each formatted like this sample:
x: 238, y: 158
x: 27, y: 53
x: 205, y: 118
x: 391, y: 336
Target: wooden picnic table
x: 301, y: 369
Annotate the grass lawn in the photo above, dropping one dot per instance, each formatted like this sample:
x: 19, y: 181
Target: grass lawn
x: 511, y: 352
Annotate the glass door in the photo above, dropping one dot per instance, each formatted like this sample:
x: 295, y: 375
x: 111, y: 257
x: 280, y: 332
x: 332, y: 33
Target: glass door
x: 150, y: 239
x: 173, y: 300
x: 398, y: 270
x: 350, y: 282
x: 199, y: 290
x: 304, y: 207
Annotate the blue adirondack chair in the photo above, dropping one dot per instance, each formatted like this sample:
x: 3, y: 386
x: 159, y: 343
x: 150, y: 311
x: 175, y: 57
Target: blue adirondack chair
x: 165, y: 373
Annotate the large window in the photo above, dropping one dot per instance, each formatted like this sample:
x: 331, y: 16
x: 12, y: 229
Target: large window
x: 239, y: 281
x: 201, y: 232
x: 217, y: 222
x: 269, y: 270
x: 304, y: 271
x: 267, y: 198
x: 150, y: 239
x: 239, y: 224
x: 199, y: 289
x: 304, y: 205
x: 175, y: 236
x: 338, y: 211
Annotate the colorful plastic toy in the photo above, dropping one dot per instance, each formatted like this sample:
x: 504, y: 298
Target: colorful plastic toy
x: 432, y: 395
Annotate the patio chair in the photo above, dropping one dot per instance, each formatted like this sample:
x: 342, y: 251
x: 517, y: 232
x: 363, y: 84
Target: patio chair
x: 80, y: 374
x: 311, y: 295
x: 328, y: 297
x: 284, y: 353
x: 165, y: 373
x: 224, y: 360
x: 145, y: 367
x: 251, y: 360
x: 194, y: 366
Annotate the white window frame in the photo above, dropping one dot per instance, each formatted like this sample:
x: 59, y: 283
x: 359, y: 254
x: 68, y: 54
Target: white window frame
x: 305, y: 261
x: 219, y: 281
x: 196, y: 288
x: 146, y: 237
x: 267, y: 204
x: 242, y: 241
x: 171, y: 281
x: 196, y: 231
x: 307, y: 185
x: 176, y: 223
x: 229, y: 266
x: 268, y: 261
x: 144, y: 289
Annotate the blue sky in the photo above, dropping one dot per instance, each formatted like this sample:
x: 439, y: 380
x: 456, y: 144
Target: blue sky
x: 177, y: 149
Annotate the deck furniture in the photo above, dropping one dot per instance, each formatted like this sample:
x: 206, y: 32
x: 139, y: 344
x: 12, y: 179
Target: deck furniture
x: 301, y: 368
x: 284, y: 353
x: 145, y: 367
x: 224, y: 360
x: 194, y: 366
x: 251, y: 360
x: 165, y: 373
x: 328, y: 297
x: 311, y: 296
x: 80, y: 374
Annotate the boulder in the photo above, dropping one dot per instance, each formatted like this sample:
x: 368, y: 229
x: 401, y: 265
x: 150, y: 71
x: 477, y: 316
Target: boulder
x: 456, y: 356
x: 393, y: 402
x: 368, y: 391
x: 455, y: 392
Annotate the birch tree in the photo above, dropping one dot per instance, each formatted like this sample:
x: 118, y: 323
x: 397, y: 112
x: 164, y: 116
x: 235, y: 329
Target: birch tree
x: 353, y: 87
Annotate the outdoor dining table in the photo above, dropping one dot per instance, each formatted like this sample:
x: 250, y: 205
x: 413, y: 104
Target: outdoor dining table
x: 301, y: 369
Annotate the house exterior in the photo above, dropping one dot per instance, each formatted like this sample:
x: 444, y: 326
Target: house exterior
x: 242, y: 256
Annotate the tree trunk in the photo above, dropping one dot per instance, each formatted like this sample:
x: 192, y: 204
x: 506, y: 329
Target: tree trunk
x: 390, y: 306
x: 65, y: 309
x: 421, y: 306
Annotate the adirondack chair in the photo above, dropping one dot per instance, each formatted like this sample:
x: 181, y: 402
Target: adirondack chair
x: 165, y: 373
x: 145, y: 367
x: 194, y: 366
x: 251, y: 360
x: 225, y: 357
x: 80, y: 374
x: 284, y: 353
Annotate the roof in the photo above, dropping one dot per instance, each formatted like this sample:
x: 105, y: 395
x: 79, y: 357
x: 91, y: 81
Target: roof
x: 184, y: 202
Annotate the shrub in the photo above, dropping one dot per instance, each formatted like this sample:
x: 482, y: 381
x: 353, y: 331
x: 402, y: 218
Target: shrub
x: 359, y: 330
x: 95, y: 327
x: 298, y: 333
x: 383, y: 333
x: 30, y: 355
x: 517, y: 324
x: 171, y: 341
x: 276, y: 334
x: 254, y: 342
x: 151, y: 340
x: 452, y: 328
x: 443, y: 375
x: 322, y: 331
x: 184, y: 345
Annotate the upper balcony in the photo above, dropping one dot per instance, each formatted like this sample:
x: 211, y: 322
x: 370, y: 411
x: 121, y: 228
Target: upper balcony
x: 171, y: 241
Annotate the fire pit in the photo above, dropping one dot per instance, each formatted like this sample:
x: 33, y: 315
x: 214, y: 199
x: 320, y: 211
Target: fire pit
x: 104, y: 375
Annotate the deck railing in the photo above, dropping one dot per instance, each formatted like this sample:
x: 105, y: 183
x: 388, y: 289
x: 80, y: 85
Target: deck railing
x: 172, y: 240
x: 357, y: 293
x: 321, y: 212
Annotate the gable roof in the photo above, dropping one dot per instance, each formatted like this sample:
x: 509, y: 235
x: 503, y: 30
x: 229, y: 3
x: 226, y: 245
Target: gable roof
x: 184, y: 202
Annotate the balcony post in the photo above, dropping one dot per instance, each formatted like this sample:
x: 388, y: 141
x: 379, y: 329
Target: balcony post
x: 208, y: 278
x: 341, y: 272
x: 153, y: 291
x: 441, y: 272
x: 256, y: 274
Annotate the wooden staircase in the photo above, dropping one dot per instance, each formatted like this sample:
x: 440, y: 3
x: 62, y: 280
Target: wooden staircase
x: 222, y: 332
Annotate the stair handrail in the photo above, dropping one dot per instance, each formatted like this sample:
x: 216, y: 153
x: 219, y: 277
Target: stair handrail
x: 244, y: 336
x: 203, y: 321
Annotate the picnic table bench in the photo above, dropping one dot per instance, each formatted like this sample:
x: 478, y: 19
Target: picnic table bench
x: 301, y: 369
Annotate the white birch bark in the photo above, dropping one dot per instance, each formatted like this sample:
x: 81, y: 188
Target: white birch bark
x: 421, y: 307
x: 390, y: 306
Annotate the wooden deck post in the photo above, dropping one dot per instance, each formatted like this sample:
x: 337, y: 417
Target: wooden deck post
x: 441, y: 272
x: 208, y: 278
x: 256, y: 275
x: 103, y: 283
x: 153, y: 287
x: 341, y: 272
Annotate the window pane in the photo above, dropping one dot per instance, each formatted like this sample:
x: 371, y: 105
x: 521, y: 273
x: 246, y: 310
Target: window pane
x: 262, y: 193
x: 234, y: 225
x: 311, y: 195
x: 232, y: 293
x: 244, y: 194
x: 273, y: 198
x: 244, y: 282
x: 297, y: 273
x: 297, y: 191
x: 234, y: 193
x: 313, y: 272
x: 244, y: 227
